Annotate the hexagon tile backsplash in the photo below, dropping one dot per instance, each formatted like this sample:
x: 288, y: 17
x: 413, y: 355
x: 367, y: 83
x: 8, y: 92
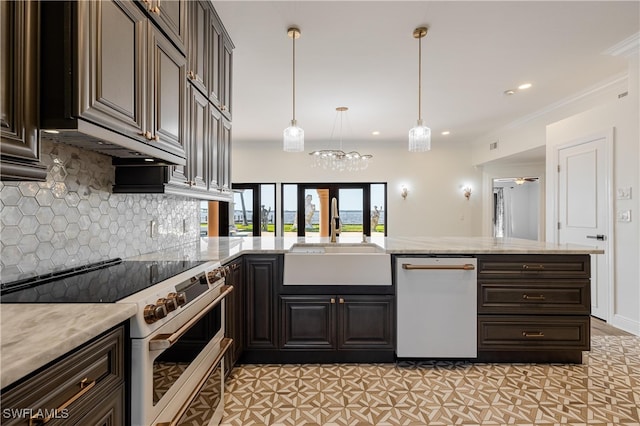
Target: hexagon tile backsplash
x: 73, y: 218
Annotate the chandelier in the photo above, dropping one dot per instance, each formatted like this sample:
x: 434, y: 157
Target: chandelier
x: 337, y: 159
x: 293, y: 136
x: 420, y: 135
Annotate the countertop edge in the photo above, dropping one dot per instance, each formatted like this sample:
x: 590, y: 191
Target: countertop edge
x: 84, y: 322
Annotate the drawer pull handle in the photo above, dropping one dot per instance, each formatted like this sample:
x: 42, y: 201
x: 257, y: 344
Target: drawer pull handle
x: 533, y: 267
x: 532, y: 334
x: 466, y: 266
x: 527, y: 297
x: 85, y: 386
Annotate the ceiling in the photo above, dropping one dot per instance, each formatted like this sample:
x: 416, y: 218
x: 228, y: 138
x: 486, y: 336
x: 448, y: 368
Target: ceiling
x: 361, y: 54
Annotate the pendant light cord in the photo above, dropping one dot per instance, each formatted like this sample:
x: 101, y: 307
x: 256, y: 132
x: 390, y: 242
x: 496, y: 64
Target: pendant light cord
x: 420, y: 78
x: 294, y: 76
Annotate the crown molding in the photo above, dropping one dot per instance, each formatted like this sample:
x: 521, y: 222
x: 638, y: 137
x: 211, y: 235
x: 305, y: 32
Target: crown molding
x: 628, y: 47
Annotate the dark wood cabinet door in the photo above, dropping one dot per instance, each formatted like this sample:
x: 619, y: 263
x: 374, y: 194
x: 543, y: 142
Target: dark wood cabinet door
x: 226, y: 65
x: 224, y: 156
x: 263, y: 273
x: 198, y: 51
x: 113, y: 66
x: 365, y: 322
x: 20, y: 146
x: 307, y: 322
x: 215, y: 140
x: 171, y: 17
x: 198, y: 137
x: 167, y: 74
x: 215, y: 57
x: 234, y: 315
x: 108, y: 409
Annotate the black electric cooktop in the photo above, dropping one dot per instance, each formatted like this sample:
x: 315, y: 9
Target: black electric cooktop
x: 102, y: 282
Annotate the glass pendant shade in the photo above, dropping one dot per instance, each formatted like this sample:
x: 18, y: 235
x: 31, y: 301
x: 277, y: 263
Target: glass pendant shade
x: 420, y: 138
x: 293, y: 137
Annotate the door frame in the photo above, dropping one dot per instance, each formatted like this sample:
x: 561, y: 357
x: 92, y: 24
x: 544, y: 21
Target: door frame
x: 554, y: 232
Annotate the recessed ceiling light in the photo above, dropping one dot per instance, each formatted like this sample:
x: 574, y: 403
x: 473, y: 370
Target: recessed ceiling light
x: 445, y: 133
x: 375, y: 133
x: 524, y: 86
x: 53, y: 132
x: 509, y: 92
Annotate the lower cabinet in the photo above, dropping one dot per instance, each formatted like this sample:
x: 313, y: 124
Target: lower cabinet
x: 84, y: 387
x: 533, y: 308
x: 234, y: 315
x: 335, y: 328
x: 263, y: 275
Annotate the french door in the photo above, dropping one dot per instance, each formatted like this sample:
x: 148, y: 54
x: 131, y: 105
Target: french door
x: 354, y: 202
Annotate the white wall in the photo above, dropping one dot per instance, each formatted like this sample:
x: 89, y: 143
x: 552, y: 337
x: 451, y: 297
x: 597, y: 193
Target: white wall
x: 435, y: 205
x: 623, y: 116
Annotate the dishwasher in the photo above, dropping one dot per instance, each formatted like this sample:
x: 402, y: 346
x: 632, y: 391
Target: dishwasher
x: 436, y: 307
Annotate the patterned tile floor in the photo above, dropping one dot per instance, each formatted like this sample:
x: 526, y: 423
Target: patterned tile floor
x: 604, y: 390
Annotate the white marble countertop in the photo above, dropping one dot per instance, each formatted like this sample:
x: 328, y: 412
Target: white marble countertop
x: 224, y: 249
x: 36, y: 334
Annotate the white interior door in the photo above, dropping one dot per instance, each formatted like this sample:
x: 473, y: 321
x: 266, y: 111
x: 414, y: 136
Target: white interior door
x: 583, y: 210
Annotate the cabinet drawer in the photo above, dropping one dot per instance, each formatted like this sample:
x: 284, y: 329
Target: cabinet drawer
x: 69, y: 382
x: 533, y: 266
x: 529, y: 297
x: 533, y: 333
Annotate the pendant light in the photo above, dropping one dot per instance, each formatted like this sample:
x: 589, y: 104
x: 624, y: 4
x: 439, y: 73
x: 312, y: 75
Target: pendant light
x: 293, y: 136
x: 420, y: 135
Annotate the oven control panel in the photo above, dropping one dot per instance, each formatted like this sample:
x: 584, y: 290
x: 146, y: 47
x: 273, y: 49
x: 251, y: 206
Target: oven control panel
x: 169, y: 298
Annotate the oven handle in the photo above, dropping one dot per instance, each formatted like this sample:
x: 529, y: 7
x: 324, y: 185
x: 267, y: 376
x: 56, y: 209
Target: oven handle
x: 165, y: 341
x: 225, y: 344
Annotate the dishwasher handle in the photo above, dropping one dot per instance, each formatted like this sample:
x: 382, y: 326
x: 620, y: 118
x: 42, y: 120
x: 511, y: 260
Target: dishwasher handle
x: 466, y: 267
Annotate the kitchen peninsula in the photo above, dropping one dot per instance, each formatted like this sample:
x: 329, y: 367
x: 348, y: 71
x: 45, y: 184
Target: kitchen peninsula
x: 19, y: 323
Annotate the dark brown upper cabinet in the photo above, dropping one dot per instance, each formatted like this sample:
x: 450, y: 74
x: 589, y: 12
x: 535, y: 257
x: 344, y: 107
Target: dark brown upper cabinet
x: 198, y: 45
x: 19, y: 135
x: 220, y: 58
x: 171, y: 17
x: 112, y: 81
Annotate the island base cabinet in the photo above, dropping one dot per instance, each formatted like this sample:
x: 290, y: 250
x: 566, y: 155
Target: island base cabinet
x: 530, y: 333
x: 533, y: 308
x: 329, y: 328
x: 85, y: 387
x: 308, y: 322
x: 365, y: 322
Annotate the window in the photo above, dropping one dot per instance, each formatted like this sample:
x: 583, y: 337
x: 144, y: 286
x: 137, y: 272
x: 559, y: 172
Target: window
x: 253, y: 210
x: 306, y: 208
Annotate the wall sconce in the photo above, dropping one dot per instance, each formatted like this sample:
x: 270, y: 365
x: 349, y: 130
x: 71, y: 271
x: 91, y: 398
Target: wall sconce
x: 467, y: 192
x: 404, y: 192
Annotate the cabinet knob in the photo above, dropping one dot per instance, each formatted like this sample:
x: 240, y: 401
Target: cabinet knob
x: 341, y: 300
x: 156, y: 138
x: 333, y: 300
x: 191, y: 75
x: 223, y: 107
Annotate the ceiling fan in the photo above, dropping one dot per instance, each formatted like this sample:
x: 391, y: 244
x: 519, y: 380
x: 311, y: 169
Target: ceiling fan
x: 518, y: 180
